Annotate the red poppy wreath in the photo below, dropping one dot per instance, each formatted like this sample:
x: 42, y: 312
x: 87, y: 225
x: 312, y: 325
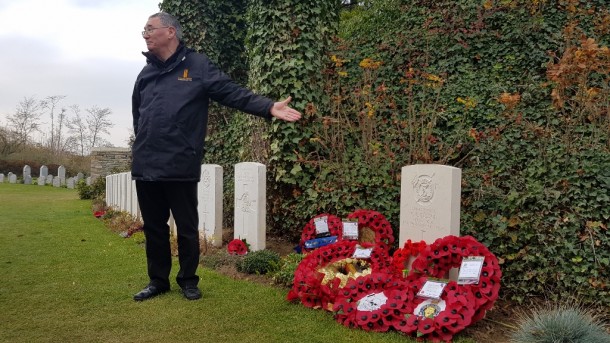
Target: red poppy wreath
x: 448, y: 252
x: 373, y: 228
x: 373, y: 302
x: 335, y: 228
x: 325, y: 270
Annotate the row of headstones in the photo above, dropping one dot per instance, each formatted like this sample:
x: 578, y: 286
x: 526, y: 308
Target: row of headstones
x: 429, y: 202
x: 46, y: 178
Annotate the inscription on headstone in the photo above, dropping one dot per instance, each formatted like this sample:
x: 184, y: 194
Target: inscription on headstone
x: 210, y: 203
x: 250, y: 204
x: 429, y: 202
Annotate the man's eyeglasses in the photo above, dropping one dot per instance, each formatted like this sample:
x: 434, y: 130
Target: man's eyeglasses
x: 150, y: 30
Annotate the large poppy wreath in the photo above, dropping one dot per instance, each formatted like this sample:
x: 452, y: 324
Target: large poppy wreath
x: 437, y: 259
x: 377, y: 296
x: 322, y: 272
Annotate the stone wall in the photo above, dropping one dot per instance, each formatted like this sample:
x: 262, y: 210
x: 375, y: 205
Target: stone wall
x: 106, y: 161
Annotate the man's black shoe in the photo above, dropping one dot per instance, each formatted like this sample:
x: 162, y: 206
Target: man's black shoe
x: 148, y: 292
x: 191, y: 292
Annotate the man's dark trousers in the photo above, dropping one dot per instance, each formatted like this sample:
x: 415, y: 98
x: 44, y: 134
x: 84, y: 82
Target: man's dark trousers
x: 156, y: 199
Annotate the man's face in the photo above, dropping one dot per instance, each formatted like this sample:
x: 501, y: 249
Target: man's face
x: 156, y: 35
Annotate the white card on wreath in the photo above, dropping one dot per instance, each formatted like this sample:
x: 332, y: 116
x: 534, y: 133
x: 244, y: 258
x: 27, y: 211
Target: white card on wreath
x: 350, y: 229
x: 432, y: 289
x: 321, y: 224
x: 361, y: 252
x: 470, y: 270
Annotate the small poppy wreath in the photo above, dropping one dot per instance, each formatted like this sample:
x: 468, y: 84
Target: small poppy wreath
x: 314, y: 288
x: 401, y: 257
x: 335, y: 228
x: 377, y: 223
x: 437, y: 320
x: 373, y: 302
x: 445, y: 253
x: 237, y: 247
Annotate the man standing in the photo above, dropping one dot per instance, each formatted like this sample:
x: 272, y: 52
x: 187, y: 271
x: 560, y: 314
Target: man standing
x: 170, y: 113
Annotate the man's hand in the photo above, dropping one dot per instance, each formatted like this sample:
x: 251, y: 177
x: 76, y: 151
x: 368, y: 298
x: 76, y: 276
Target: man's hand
x: 282, y: 111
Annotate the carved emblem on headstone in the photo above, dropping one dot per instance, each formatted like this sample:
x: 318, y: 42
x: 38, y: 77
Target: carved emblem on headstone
x: 206, y: 179
x: 423, y: 189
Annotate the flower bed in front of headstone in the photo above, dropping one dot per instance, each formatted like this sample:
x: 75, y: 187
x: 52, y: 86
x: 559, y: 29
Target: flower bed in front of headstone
x: 353, y: 276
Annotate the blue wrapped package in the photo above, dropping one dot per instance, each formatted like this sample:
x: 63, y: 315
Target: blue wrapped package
x: 320, y: 242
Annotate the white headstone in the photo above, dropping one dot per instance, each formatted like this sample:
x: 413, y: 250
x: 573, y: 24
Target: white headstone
x: 61, y: 173
x: 210, y: 203
x: 429, y: 202
x: 27, y: 180
x: 27, y: 170
x: 1, y: 177
x: 12, y: 178
x: 44, y: 171
x: 49, y: 179
x: 88, y: 181
x: 41, y: 180
x: 70, y: 182
x: 79, y: 176
x: 250, y: 204
x: 56, y: 181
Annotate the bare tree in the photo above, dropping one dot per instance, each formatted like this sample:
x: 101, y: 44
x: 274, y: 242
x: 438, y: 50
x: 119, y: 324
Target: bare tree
x: 78, y: 129
x: 25, y: 121
x: 97, y: 124
x: 51, y: 103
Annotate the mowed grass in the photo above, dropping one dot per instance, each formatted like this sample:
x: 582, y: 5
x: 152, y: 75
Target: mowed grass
x: 66, y: 278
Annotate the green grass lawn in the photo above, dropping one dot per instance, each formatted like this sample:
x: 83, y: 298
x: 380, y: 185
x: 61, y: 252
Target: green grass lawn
x: 66, y: 278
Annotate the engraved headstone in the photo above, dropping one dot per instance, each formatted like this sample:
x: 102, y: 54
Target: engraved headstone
x: 44, y: 171
x: 27, y: 170
x: 27, y: 180
x: 56, y: 182
x: 61, y: 173
x: 250, y: 204
x: 210, y: 203
x: 1, y: 177
x: 41, y: 181
x: 70, y: 183
x: 49, y: 179
x: 79, y: 177
x: 12, y: 178
x: 429, y: 202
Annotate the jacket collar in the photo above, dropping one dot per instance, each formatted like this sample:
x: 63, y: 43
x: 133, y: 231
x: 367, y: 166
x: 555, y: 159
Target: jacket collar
x: 170, y: 62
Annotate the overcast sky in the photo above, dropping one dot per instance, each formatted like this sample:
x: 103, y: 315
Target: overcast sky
x: 88, y: 50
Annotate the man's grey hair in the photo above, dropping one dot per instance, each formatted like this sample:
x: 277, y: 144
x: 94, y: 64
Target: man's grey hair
x: 167, y: 19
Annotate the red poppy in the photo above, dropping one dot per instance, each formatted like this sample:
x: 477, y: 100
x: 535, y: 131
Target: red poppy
x: 237, y: 247
x: 98, y: 214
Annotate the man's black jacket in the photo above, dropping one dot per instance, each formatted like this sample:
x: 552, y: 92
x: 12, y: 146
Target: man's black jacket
x: 170, y: 113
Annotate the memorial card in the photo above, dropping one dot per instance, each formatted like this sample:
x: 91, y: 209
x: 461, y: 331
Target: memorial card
x: 361, y: 252
x: 321, y: 224
x: 350, y: 229
x: 432, y: 289
x: 470, y: 270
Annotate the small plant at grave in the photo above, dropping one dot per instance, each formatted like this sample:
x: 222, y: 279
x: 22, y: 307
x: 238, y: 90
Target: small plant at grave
x: 259, y: 262
x: 560, y: 324
x: 96, y: 190
x: 219, y: 258
x: 285, y: 275
x: 121, y: 222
